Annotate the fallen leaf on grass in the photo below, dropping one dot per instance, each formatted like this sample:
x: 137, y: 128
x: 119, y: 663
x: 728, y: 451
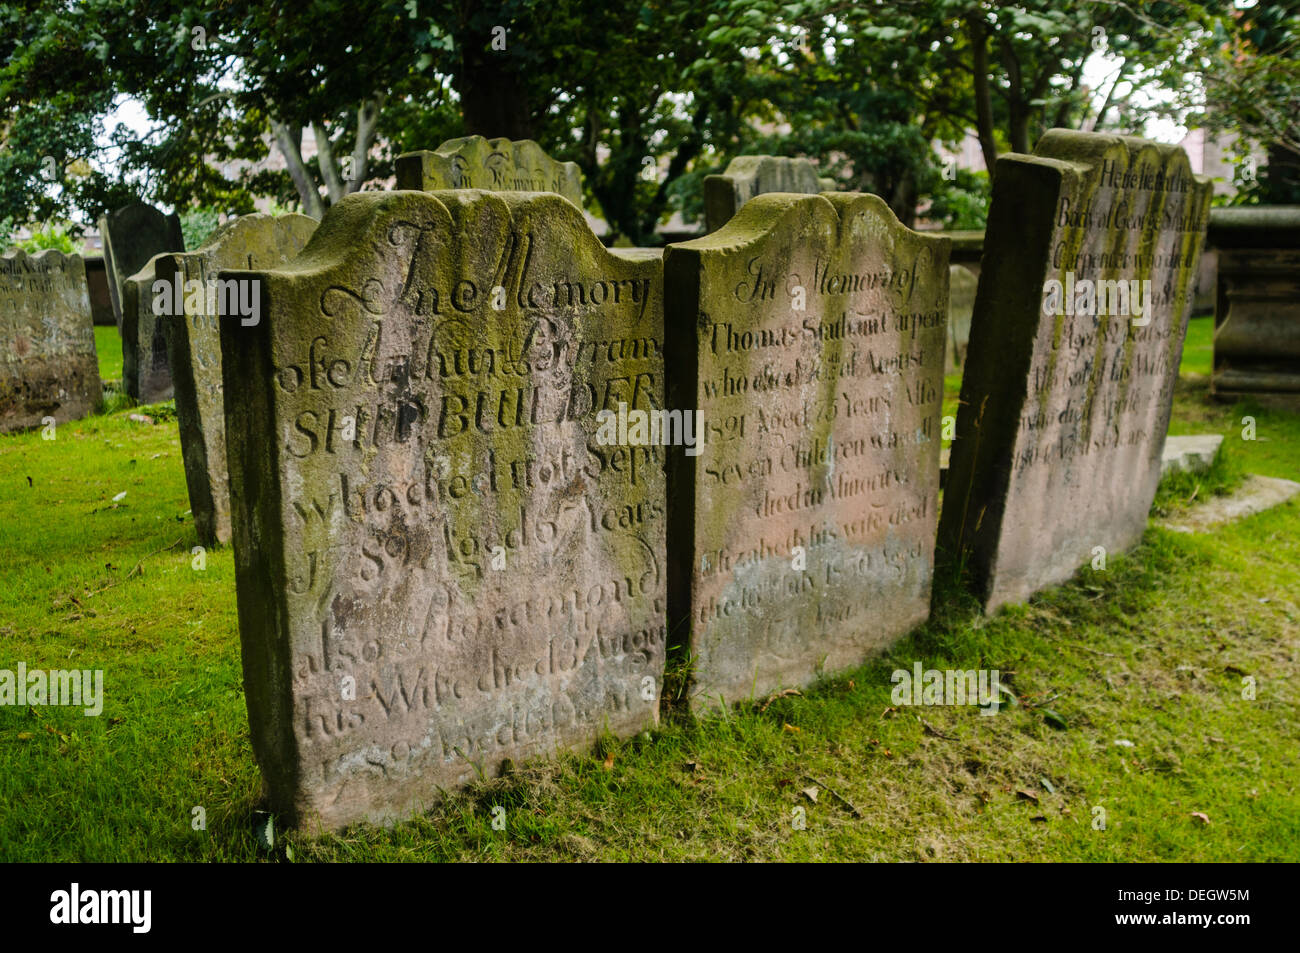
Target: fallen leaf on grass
x: 1027, y: 795
x: 793, y: 729
x: 810, y: 794
x: 120, y: 496
x: 1047, y: 785
x: 1123, y: 742
x: 140, y: 418
x: 1053, y: 719
x: 1203, y: 818
x: 609, y: 762
x: 24, y: 736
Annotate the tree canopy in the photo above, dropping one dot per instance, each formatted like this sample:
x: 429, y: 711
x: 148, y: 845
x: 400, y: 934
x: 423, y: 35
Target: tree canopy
x: 647, y: 96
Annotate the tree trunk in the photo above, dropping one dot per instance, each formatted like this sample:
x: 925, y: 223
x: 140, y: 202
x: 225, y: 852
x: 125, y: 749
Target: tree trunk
x: 289, y: 142
x: 492, y: 98
x: 983, y: 96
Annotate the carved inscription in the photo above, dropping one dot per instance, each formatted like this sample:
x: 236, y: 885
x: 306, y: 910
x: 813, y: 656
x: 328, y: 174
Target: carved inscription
x: 48, y: 366
x: 458, y: 547
x: 819, y: 347
x: 1080, y: 434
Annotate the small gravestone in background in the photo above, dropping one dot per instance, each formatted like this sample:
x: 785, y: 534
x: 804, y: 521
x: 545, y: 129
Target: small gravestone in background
x: 809, y: 331
x: 132, y: 235
x: 496, y: 165
x: 961, y: 303
x: 48, y: 366
x: 439, y: 565
x: 1069, y: 377
x: 748, y: 176
x: 101, y: 302
x: 194, y: 348
x: 146, y: 369
x: 1257, y: 306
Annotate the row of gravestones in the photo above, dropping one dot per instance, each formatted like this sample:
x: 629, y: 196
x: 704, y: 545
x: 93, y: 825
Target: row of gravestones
x: 482, y: 470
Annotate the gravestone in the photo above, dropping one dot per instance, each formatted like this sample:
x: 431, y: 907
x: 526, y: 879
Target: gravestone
x: 1069, y: 376
x: 748, y: 176
x: 194, y: 347
x: 439, y: 565
x: 101, y: 303
x: 496, y: 165
x: 1257, y: 303
x: 961, y: 303
x: 48, y: 366
x: 809, y: 331
x: 146, y: 368
x: 132, y: 235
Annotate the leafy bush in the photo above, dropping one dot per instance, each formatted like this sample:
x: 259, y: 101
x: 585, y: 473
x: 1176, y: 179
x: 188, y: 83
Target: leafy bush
x: 56, y: 235
x: 962, y: 203
x: 198, y: 223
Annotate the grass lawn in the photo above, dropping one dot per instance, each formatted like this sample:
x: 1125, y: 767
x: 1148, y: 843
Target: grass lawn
x: 108, y: 345
x: 1151, y: 652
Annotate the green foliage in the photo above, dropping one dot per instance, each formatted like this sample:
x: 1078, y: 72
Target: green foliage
x: 962, y: 203
x: 55, y: 235
x: 197, y: 224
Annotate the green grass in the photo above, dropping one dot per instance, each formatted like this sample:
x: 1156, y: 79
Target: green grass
x: 108, y: 345
x: 1152, y: 651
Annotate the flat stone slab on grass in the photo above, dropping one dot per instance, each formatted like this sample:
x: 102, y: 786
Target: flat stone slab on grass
x: 1255, y: 495
x: 1191, y: 453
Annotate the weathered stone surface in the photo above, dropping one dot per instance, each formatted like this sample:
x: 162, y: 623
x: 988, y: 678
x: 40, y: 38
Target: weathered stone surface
x: 961, y: 303
x: 1255, y: 495
x: 421, y: 507
x: 810, y: 333
x: 1192, y: 453
x: 497, y: 165
x: 194, y: 348
x: 48, y: 366
x: 146, y: 369
x: 101, y: 302
x: 748, y: 176
x: 1257, y: 302
x: 132, y: 235
x: 1063, y: 416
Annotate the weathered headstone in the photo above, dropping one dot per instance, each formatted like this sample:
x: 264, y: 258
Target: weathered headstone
x: 439, y: 565
x: 48, y: 366
x: 101, y: 302
x: 1257, y: 306
x: 132, y: 235
x: 809, y: 331
x: 1088, y: 271
x: 146, y: 369
x: 496, y: 165
x: 194, y: 346
x: 748, y: 176
x: 961, y: 303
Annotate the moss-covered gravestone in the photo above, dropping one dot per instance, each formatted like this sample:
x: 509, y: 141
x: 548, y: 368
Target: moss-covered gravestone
x: 1089, y: 265
x: 497, y: 165
x: 748, y: 176
x: 439, y: 565
x: 146, y: 367
x: 194, y: 345
x: 810, y: 333
x: 961, y: 303
x: 48, y: 366
x: 132, y: 235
